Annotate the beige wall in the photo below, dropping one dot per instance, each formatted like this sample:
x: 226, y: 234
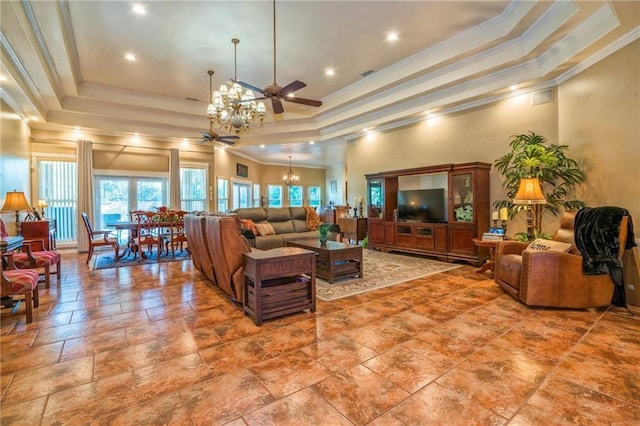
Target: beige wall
x: 596, y: 113
x: 14, y: 160
x: 600, y: 119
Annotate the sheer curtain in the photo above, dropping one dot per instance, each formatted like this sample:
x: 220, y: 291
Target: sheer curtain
x: 174, y: 179
x: 85, y: 191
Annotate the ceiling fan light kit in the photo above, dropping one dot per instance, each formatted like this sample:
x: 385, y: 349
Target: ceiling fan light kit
x: 231, y: 109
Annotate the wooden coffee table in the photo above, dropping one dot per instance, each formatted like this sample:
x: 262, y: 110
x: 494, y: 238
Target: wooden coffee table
x: 334, y: 259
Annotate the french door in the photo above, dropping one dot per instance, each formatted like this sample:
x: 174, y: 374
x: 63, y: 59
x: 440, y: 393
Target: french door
x: 116, y: 196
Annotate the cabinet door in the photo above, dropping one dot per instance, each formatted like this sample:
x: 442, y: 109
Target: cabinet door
x: 424, y: 237
x: 441, y: 238
x: 375, y: 201
x: 376, y: 231
x: 461, y: 239
x: 462, y: 198
x: 404, y: 235
x: 390, y: 233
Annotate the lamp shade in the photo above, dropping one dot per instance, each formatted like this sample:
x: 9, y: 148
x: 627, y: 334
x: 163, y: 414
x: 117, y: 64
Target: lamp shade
x: 529, y: 192
x: 15, y: 201
x: 42, y: 203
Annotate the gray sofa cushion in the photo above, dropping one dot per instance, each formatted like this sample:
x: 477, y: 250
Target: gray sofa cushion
x: 281, y: 220
x: 256, y: 214
x: 299, y: 218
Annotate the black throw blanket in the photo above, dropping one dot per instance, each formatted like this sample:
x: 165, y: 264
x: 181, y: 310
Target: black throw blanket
x: 597, y: 232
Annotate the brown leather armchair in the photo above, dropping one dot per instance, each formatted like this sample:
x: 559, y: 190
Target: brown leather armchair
x: 553, y: 279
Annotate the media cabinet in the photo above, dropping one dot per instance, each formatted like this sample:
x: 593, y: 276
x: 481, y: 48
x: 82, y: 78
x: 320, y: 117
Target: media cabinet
x: 466, y: 206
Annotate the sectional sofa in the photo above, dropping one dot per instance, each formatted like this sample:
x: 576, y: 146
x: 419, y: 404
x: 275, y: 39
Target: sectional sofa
x: 286, y: 223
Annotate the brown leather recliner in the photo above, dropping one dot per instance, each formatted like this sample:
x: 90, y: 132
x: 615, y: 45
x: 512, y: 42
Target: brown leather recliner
x: 553, y: 279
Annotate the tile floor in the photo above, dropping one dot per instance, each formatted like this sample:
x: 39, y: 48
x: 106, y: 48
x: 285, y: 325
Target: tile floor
x: 155, y: 344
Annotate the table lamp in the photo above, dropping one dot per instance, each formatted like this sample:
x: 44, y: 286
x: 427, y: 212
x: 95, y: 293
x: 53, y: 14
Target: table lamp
x: 16, y: 202
x: 530, y: 193
x: 42, y: 204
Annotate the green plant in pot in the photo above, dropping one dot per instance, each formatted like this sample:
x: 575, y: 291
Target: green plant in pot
x: 532, y: 156
x: 323, y: 231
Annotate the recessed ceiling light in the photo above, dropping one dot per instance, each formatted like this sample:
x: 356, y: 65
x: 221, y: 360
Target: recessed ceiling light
x: 139, y: 9
x: 3, y: 78
x: 513, y: 87
x: 130, y: 57
x: 366, y: 129
x: 330, y: 72
x: 392, y: 36
x: 33, y: 118
x: 311, y: 142
x: 291, y: 95
x: 262, y: 146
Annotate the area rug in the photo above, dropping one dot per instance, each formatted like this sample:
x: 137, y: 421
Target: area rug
x: 381, y: 270
x: 106, y: 260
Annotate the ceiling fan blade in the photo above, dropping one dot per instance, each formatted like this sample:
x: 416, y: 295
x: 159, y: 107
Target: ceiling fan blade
x: 224, y: 140
x: 249, y: 86
x: 292, y: 87
x: 303, y: 101
x: 277, y: 106
x: 249, y: 100
x: 203, y: 141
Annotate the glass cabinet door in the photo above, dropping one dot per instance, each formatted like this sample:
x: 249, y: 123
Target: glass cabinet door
x: 375, y: 200
x: 462, y: 198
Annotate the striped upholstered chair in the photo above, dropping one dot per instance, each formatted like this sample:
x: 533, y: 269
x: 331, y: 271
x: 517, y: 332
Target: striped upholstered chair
x: 34, y: 256
x: 20, y: 283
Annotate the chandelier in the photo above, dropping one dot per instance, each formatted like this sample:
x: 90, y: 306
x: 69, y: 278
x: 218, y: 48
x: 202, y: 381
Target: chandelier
x: 230, y: 109
x: 290, y: 179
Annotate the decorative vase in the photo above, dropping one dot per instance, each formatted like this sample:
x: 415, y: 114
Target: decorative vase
x: 323, y: 240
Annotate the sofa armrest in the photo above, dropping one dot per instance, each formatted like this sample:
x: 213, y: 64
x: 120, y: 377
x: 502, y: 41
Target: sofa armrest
x: 511, y: 247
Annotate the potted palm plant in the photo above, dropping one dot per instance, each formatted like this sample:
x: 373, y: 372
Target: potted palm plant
x: 323, y: 231
x: 532, y: 156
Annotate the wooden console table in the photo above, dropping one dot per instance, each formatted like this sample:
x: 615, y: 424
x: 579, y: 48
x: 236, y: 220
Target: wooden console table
x: 10, y: 243
x: 278, y: 282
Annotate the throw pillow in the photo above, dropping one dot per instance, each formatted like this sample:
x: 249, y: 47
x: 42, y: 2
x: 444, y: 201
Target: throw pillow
x: 248, y: 224
x: 549, y: 245
x: 265, y: 229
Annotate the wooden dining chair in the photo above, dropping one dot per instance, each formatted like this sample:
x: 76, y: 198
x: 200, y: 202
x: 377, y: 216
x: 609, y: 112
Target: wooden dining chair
x: 148, y: 233
x: 177, y: 235
x: 99, y: 238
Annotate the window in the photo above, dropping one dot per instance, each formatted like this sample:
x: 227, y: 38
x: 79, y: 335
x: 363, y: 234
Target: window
x: 241, y: 195
x: 116, y: 196
x: 223, y: 195
x: 314, y: 196
x: 193, y: 188
x: 57, y: 183
x: 295, y: 196
x: 275, y: 195
x: 256, y: 195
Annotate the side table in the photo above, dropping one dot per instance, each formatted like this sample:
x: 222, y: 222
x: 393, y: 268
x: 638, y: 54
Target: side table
x: 491, y: 263
x: 279, y: 282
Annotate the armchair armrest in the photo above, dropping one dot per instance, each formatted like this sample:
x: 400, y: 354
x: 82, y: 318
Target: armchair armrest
x: 104, y: 233
x: 34, y: 244
x: 8, y: 258
x: 556, y: 279
x: 511, y: 247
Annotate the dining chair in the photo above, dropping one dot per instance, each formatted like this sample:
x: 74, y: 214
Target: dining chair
x: 19, y: 283
x: 177, y: 235
x: 148, y: 233
x: 99, y: 238
x: 34, y: 255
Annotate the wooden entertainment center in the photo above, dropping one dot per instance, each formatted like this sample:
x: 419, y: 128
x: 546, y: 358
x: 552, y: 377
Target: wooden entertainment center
x: 446, y: 229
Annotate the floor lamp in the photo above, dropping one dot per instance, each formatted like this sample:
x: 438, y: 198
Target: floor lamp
x: 16, y: 202
x: 530, y: 194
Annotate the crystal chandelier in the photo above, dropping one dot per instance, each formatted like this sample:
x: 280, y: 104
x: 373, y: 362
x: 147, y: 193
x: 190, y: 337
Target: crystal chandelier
x: 230, y: 109
x: 290, y: 179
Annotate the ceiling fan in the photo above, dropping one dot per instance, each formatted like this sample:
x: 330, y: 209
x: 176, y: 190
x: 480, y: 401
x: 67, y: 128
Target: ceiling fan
x: 212, y: 136
x: 277, y: 93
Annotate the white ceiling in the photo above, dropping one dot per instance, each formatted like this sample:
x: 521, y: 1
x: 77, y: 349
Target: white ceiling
x: 65, y: 62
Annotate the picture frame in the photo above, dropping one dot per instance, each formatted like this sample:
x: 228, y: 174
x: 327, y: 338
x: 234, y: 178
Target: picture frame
x: 242, y: 170
x: 334, y: 186
x: 498, y: 231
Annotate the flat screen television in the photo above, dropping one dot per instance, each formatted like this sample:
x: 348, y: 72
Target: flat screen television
x: 423, y: 205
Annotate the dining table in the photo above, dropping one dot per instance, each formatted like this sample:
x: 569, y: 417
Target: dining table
x: 132, y: 227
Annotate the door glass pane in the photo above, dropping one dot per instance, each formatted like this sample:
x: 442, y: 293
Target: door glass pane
x: 150, y: 194
x: 57, y: 185
x: 241, y: 195
x: 223, y: 195
x: 193, y: 183
x: 113, y: 204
